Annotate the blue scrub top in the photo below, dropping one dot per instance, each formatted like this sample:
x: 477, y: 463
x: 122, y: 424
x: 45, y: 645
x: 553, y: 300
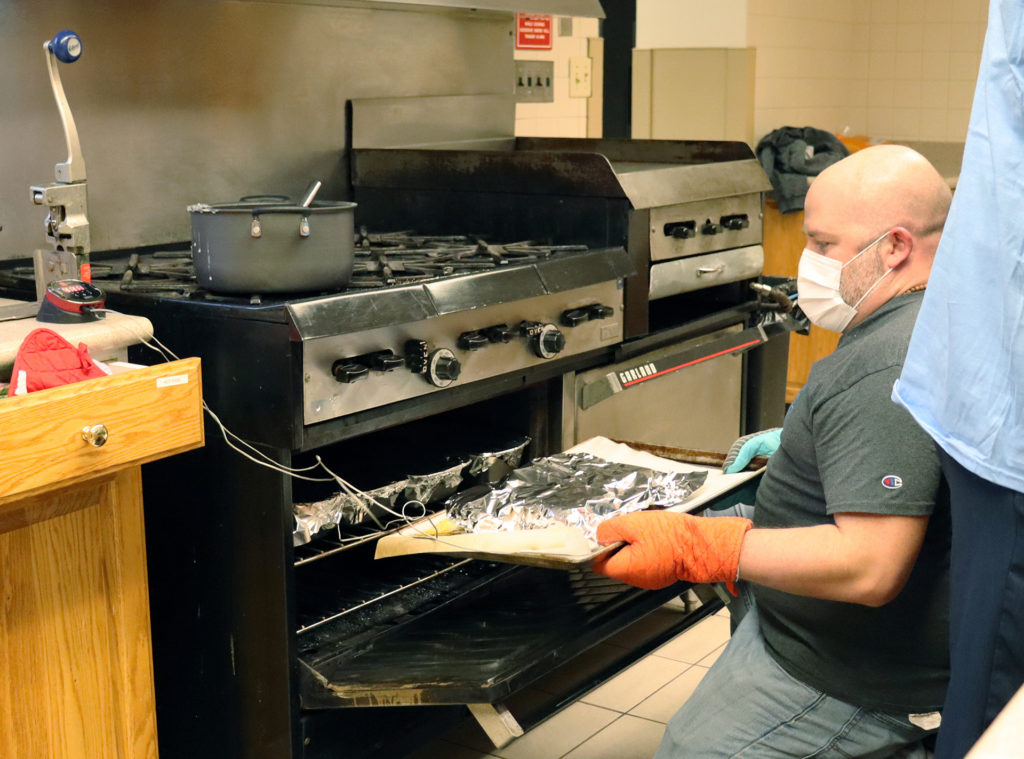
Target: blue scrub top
x: 963, y: 379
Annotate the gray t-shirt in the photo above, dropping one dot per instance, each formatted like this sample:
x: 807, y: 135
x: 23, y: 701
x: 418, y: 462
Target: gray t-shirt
x: 846, y: 447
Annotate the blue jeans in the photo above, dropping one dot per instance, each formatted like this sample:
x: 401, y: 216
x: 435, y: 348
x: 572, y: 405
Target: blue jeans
x: 748, y: 706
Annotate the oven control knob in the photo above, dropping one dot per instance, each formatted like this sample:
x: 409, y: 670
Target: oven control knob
x: 443, y: 368
x: 573, y: 317
x: 499, y: 333
x: 349, y: 371
x: 385, y: 361
x: 549, y: 341
x: 710, y: 228
x: 735, y: 222
x: 599, y: 311
x: 472, y: 341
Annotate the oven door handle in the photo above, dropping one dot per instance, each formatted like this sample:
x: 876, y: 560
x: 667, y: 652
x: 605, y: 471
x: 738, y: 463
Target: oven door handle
x: 707, y: 270
x: 642, y: 371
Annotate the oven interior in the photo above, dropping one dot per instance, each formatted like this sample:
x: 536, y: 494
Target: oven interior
x: 429, y: 629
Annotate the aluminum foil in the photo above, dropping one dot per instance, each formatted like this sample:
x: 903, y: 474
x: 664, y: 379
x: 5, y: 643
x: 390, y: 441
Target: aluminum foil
x: 436, y: 486
x: 494, y: 466
x: 343, y: 508
x: 572, y: 489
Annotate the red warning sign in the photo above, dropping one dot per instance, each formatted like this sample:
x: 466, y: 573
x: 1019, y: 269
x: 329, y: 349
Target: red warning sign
x: 533, y: 32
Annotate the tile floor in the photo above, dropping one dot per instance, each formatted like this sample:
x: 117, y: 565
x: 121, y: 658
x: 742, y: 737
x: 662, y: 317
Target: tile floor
x: 622, y: 719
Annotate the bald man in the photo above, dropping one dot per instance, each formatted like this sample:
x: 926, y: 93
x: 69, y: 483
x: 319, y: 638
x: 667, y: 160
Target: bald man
x: 845, y: 560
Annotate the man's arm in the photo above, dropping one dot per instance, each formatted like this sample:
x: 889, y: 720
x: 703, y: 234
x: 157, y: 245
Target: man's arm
x: 863, y: 558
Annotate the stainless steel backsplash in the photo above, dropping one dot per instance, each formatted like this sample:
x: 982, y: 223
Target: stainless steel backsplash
x: 181, y: 101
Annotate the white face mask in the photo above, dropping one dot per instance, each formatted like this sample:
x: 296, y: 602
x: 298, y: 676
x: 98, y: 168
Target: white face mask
x: 817, y: 286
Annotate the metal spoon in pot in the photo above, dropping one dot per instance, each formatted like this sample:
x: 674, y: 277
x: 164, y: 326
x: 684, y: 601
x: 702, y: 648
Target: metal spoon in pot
x: 310, y: 193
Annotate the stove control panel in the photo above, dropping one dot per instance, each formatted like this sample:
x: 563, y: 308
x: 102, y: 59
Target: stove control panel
x: 705, y: 226
x: 354, y: 372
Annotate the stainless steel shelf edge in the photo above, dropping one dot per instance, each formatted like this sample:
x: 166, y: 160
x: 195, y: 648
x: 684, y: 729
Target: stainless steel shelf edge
x: 651, y: 175
x: 381, y: 307
x: 585, y: 8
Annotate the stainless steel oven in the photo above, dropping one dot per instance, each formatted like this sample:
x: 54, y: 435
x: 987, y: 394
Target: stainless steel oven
x: 496, y: 296
x: 277, y: 637
x: 703, y: 353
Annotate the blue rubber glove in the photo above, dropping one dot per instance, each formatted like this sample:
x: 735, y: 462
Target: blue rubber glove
x: 750, y: 446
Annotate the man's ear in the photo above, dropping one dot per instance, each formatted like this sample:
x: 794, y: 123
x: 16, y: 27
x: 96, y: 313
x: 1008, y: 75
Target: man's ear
x: 900, y: 247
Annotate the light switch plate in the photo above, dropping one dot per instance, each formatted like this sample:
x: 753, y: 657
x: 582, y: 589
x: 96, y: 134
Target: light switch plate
x: 535, y: 82
x: 579, y: 77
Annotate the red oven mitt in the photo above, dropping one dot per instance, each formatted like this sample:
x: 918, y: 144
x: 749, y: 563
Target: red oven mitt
x: 45, y: 359
x: 663, y: 547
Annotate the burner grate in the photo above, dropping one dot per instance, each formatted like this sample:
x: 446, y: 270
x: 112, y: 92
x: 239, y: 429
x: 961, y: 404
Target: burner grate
x: 160, y: 272
x: 381, y: 260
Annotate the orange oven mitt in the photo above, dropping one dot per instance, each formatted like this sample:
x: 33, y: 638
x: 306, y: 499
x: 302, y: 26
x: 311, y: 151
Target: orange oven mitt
x: 45, y: 359
x: 663, y: 547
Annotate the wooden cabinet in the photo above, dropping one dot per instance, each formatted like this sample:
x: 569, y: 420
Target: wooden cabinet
x: 784, y: 240
x: 76, y: 674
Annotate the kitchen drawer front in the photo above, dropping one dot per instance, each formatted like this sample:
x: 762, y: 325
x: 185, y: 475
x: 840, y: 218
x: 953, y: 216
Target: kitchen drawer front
x: 698, y: 272
x: 148, y: 413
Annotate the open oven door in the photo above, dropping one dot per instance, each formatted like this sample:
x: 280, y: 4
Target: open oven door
x: 451, y: 630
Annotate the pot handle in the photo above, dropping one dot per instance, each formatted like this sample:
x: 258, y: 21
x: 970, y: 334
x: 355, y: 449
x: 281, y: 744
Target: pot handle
x: 256, y: 227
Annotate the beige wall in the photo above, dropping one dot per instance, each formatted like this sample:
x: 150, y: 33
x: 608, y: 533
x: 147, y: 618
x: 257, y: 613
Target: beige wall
x: 693, y: 93
x: 902, y: 69
x: 691, y: 23
x: 566, y: 116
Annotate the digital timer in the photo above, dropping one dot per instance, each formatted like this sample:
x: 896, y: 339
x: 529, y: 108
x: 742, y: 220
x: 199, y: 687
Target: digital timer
x: 68, y: 301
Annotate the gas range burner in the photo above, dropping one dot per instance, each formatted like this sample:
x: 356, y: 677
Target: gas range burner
x: 396, y: 258
x: 381, y: 261
x: 165, y: 271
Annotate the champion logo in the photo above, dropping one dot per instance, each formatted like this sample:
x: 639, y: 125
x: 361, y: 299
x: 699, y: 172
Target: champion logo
x: 892, y: 482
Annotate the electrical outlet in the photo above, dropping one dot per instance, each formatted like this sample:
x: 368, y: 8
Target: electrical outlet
x: 579, y: 77
x: 534, y: 82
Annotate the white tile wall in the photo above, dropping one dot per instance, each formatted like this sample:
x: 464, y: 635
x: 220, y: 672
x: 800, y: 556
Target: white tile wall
x: 902, y: 69
x: 566, y: 116
x: 889, y: 69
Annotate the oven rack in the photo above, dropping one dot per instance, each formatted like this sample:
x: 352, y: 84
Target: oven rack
x: 340, y: 601
x: 474, y: 647
x: 332, y: 542
x: 363, y: 600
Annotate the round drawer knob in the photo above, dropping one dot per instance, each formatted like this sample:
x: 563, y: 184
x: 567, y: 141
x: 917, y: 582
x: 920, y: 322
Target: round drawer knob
x: 95, y: 434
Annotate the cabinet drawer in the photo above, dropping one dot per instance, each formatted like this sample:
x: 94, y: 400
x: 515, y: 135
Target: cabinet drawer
x: 698, y: 272
x: 147, y: 413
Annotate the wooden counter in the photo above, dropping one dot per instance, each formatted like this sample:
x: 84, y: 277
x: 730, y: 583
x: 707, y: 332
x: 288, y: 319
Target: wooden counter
x: 76, y: 674
x: 108, y: 338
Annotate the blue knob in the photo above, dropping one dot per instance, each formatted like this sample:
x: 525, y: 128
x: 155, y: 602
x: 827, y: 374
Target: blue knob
x: 67, y: 46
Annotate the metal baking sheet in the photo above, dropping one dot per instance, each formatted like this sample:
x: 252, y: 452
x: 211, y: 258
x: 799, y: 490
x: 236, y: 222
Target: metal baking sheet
x: 414, y: 539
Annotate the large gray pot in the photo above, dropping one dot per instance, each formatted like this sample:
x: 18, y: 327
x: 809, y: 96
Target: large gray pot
x: 272, y: 246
